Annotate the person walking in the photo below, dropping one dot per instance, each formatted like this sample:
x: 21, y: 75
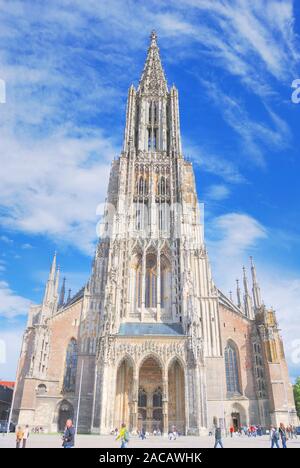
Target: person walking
x: 231, y: 430
x: 218, y: 437
x: 283, y: 436
x: 274, y: 436
x: 19, y: 436
x: 294, y: 431
x: 69, y: 435
x: 123, y: 436
x: 143, y: 434
x: 25, y: 436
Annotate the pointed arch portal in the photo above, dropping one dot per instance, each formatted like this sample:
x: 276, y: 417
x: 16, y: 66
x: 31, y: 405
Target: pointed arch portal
x: 150, y: 401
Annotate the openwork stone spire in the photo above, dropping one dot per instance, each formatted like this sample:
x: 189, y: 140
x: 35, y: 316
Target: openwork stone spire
x: 153, y: 81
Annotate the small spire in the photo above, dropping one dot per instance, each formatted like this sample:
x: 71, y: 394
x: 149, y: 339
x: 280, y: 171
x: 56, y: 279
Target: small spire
x: 255, y: 286
x: 247, y: 297
x: 245, y: 280
x: 238, y: 294
x: 53, y: 268
x: 69, y: 295
x: 56, y: 282
x: 230, y: 296
x: 50, y: 285
x: 62, y: 293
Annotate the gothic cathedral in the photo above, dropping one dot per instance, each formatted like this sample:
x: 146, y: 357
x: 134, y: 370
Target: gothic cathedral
x: 150, y: 340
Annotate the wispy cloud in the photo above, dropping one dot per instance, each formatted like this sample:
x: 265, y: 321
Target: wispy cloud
x: 6, y: 240
x: 256, y: 136
x: 213, y: 163
x: 253, y: 40
x: 11, y: 304
x: 217, y: 192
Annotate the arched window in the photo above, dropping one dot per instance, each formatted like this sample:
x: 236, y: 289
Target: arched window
x: 139, y: 287
x: 157, y: 398
x: 150, y: 113
x: 155, y: 112
x: 71, y: 366
x: 142, y: 186
x: 41, y: 389
x: 151, y: 283
x: 232, y: 369
x: 162, y: 186
x: 142, y: 398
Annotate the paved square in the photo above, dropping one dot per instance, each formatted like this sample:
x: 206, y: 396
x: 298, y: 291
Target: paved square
x: 94, y: 441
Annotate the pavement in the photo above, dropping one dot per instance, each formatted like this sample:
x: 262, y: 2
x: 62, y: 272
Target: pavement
x: 95, y: 441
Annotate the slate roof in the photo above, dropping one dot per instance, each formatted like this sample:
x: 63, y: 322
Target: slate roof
x: 141, y: 329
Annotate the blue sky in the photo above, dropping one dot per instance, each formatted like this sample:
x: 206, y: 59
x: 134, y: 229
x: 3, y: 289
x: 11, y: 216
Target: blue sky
x: 67, y: 66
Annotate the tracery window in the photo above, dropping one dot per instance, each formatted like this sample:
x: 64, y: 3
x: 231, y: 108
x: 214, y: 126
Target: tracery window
x: 232, y: 369
x: 151, y: 283
x: 157, y: 398
x: 142, y: 400
x: 71, y: 366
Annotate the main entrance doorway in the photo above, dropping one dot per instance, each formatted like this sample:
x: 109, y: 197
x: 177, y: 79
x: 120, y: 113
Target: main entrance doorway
x: 150, y: 415
x: 66, y: 411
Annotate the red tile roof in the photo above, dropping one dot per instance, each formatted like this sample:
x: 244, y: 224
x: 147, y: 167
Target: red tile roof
x: 5, y: 383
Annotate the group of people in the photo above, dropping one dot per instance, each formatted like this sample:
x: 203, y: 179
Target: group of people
x: 282, y: 434
x: 250, y: 431
x: 22, y: 435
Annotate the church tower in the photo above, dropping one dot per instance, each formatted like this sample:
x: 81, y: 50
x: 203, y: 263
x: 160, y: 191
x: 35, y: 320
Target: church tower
x: 149, y: 340
x: 153, y: 307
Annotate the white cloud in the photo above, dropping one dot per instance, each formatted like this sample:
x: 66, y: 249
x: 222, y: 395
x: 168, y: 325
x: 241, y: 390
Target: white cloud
x: 253, y: 40
x: 236, y: 233
x: 213, y: 164
x: 26, y: 246
x: 11, y: 304
x: 6, y: 239
x: 256, y: 136
x: 217, y: 192
x: 11, y: 339
x: 52, y: 186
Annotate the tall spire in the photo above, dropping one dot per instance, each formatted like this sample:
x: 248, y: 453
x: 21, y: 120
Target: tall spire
x: 153, y: 80
x: 53, y: 268
x: 247, y: 297
x: 255, y: 286
x: 238, y: 294
x: 50, y: 286
x: 62, y: 293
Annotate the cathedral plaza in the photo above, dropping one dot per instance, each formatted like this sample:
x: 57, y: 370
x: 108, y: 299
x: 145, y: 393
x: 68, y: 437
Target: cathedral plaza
x: 94, y: 441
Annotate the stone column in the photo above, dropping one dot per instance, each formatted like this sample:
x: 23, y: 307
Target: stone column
x: 135, y: 397
x: 149, y: 412
x: 165, y: 403
x: 143, y: 283
x: 158, y: 291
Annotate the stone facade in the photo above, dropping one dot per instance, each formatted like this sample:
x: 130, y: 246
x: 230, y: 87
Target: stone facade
x: 150, y: 340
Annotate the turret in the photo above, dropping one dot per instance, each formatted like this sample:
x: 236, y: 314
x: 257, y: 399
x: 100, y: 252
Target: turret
x: 247, y: 298
x: 62, y: 293
x: 238, y: 294
x: 255, y: 287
